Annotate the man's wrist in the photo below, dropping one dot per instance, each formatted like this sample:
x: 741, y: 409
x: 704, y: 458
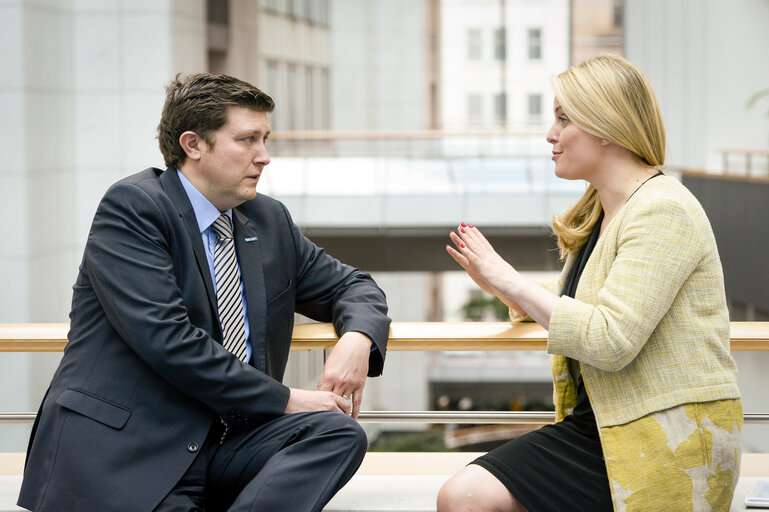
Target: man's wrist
x: 365, y: 338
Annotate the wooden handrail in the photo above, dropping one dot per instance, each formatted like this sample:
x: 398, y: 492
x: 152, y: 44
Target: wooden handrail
x: 724, y: 176
x: 404, y: 336
x: 328, y: 135
x: 415, y: 336
x: 743, y: 151
x: 431, y: 417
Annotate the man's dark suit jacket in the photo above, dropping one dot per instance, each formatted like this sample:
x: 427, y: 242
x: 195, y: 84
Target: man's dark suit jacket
x: 144, y: 375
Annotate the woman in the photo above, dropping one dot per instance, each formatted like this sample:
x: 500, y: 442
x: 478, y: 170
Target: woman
x: 645, y: 389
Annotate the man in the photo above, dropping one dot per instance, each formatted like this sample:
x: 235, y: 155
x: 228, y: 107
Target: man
x: 168, y: 396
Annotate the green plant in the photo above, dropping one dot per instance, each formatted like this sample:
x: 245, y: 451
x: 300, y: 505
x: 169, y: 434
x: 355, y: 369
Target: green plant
x: 476, y: 308
x: 754, y: 99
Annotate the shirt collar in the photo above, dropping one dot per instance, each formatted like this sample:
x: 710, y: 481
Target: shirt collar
x: 205, y: 212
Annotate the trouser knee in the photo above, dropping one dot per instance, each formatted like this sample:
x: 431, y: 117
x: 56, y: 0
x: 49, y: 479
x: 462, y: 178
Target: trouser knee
x: 344, y: 427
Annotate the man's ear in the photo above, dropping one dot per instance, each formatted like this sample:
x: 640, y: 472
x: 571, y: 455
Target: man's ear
x: 191, y: 144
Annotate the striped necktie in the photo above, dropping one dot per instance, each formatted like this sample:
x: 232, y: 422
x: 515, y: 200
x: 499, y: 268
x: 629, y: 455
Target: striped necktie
x: 228, y: 299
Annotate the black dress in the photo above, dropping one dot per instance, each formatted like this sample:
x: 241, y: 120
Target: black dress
x: 560, y: 466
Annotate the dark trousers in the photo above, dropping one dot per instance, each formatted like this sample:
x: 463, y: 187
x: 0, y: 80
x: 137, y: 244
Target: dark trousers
x: 294, y: 463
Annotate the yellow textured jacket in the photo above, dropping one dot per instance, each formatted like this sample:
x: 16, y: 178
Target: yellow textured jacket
x: 650, y: 327
x: 649, y: 322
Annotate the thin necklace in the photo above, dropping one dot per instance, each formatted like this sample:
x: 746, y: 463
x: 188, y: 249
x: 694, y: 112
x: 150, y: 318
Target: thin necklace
x: 659, y: 173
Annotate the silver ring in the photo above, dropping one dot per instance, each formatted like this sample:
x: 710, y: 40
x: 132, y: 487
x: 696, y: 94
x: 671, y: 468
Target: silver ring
x: 350, y: 399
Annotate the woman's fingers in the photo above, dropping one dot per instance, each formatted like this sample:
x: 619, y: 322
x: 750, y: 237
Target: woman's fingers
x: 473, y: 236
x: 458, y: 257
x: 458, y: 241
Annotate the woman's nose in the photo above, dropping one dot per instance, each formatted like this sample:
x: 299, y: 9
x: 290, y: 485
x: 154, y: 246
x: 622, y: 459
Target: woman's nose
x: 552, y: 135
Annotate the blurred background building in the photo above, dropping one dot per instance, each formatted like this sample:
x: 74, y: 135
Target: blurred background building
x: 395, y: 120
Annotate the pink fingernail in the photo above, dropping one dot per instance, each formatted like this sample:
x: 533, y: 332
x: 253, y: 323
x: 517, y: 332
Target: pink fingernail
x: 472, y: 226
x: 464, y: 225
x: 462, y: 246
x: 462, y: 230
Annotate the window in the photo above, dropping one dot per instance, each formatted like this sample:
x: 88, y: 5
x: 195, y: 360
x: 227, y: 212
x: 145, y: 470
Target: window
x: 500, y: 44
x: 270, y: 5
x: 309, y: 93
x: 500, y: 107
x: 474, y: 109
x: 273, y: 89
x: 295, y: 8
x: 535, y: 107
x: 619, y: 14
x: 218, y: 11
x: 474, y: 44
x: 535, y: 43
x: 324, y: 123
x: 291, y: 97
x: 323, y: 11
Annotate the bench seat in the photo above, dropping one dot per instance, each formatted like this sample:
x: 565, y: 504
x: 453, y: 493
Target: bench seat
x: 389, y: 481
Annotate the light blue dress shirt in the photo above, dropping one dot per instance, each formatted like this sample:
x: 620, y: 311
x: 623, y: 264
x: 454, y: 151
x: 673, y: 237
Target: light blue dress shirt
x: 206, y: 214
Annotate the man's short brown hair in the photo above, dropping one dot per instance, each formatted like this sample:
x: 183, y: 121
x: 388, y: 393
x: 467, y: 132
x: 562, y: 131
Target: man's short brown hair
x: 199, y: 103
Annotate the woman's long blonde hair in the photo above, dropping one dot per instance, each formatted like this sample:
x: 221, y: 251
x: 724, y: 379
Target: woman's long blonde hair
x: 610, y: 98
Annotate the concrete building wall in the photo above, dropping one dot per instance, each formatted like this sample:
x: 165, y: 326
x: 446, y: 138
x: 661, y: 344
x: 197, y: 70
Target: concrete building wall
x: 81, y: 89
x: 378, y: 61
x: 705, y: 60
x: 287, y: 54
x: 483, y: 73
x: 596, y: 28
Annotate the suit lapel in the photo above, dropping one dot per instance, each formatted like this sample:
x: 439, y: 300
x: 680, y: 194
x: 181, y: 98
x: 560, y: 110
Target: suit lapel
x: 249, y: 252
x: 169, y: 180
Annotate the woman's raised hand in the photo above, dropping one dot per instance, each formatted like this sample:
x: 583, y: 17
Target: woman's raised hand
x: 482, y: 263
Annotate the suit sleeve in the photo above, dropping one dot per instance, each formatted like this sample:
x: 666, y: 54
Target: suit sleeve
x: 658, y: 249
x: 129, y: 263
x: 330, y: 291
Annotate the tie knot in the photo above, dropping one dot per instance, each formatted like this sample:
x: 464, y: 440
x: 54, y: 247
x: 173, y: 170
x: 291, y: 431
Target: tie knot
x: 222, y: 227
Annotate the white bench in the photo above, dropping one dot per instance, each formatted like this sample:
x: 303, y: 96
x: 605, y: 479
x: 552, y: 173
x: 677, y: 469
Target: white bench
x: 392, y: 481
x: 410, y: 481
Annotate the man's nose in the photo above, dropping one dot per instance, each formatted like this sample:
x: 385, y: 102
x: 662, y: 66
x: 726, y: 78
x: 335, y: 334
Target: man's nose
x: 262, y: 157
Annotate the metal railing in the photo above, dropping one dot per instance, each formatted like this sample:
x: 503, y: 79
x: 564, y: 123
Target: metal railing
x: 404, y: 336
x: 750, y: 163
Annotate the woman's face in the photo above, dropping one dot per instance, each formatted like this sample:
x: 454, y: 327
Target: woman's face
x: 576, y: 153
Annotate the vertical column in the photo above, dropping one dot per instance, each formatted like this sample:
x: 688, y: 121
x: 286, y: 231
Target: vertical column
x: 81, y: 92
x: 35, y: 183
x: 13, y: 185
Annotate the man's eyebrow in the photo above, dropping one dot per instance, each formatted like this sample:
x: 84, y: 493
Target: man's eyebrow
x: 251, y: 131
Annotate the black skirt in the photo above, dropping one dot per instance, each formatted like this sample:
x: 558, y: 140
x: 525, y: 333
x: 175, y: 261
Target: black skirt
x: 560, y: 466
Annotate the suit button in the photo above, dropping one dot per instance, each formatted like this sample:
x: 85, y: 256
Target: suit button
x: 192, y: 447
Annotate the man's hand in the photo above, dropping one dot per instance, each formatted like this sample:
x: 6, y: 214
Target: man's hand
x: 302, y: 400
x: 346, y: 368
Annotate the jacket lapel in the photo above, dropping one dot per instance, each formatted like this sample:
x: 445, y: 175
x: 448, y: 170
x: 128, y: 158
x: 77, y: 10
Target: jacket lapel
x: 169, y: 180
x: 248, y: 247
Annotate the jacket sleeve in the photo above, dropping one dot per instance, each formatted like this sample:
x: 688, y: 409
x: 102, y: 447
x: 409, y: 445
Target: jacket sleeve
x: 330, y: 291
x: 129, y: 263
x: 657, y: 250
